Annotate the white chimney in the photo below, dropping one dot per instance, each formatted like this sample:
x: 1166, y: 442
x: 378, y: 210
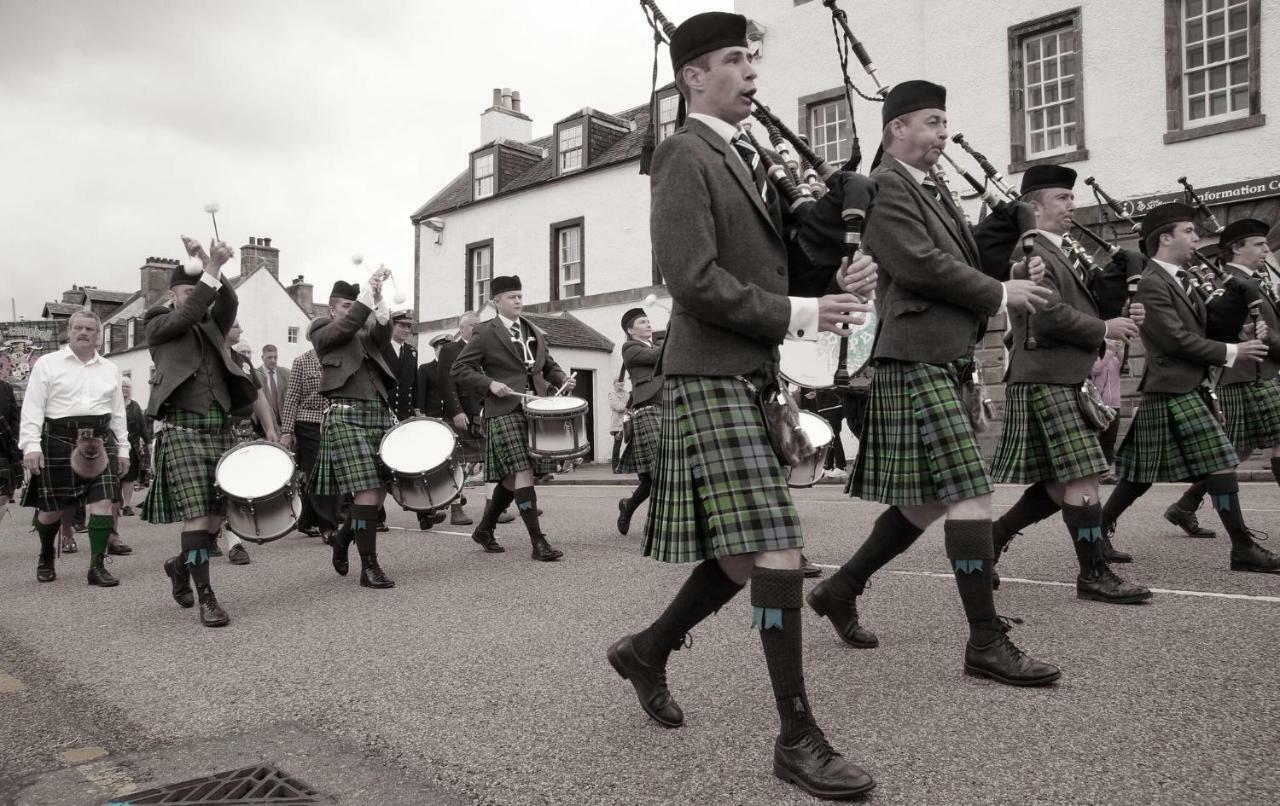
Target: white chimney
x: 504, y: 119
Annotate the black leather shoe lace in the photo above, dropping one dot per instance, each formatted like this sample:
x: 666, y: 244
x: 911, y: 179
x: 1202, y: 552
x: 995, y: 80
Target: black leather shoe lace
x: 822, y: 750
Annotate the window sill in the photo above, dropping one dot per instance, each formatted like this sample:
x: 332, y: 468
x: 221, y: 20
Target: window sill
x: 1182, y: 135
x: 1079, y: 155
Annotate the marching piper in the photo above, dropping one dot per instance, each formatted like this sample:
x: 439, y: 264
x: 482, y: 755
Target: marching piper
x: 196, y: 388
x: 1249, y: 394
x: 640, y: 357
x: 508, y: 356
x: 75, y: 443
x: 1176, y: 435
x: 1046, y: 441
x: 355, y: 379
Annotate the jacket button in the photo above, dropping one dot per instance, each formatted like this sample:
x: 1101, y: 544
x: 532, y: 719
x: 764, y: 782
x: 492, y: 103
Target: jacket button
x: 800, y: 333
x: 779, y: 270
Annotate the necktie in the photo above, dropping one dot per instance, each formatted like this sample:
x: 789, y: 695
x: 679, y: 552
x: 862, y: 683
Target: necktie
x: 1185, y: 280
x: 271, y: 390
x: 931, y: 188
x: 751, y: 158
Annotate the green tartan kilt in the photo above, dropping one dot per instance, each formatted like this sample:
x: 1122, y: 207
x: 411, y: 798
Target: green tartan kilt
x: 58, y: 487
x: 718, y: 487
x: 1253, y: 414
x: 350, y: 437
x: 642, y: 450
x: 187, y: 452
x: 1045, y: 437
x: 917, y: 444
x: 1174, y: 437
x: 507, y: 448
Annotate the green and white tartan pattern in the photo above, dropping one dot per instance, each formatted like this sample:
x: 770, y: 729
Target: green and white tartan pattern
x: 1174, y: 437
x: 917, y: 444
x: 506, y: 448
x: 642, y: 450
x: 1045, y: 437
x: 58, y: 487
x: 1253, y: 414
x: 186, y: 455
x: 349, y: 439
x: 718, y: 487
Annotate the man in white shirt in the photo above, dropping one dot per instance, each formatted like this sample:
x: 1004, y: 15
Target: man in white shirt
x: 74, y: 443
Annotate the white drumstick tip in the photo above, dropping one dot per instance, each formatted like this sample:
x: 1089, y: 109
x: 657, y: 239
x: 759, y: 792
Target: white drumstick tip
x: 399, y: 298
x: 357, y: 258
x: 649, y: 300
x: 194, y: 266
x: 211, y: 208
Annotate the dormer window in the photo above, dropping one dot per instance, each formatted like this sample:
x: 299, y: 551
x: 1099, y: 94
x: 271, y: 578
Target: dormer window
x: 570, y: 148
x: 482, y: 176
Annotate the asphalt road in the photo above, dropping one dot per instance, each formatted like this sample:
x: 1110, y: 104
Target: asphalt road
x: 482, y: 679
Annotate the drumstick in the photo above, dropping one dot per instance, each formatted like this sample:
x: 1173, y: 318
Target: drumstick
x: 560, y: 391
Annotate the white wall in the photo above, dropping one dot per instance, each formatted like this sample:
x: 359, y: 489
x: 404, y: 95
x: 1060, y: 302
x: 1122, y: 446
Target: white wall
x: 137, y: 363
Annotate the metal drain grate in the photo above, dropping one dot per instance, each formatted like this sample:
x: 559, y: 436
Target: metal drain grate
x: 248, y: 785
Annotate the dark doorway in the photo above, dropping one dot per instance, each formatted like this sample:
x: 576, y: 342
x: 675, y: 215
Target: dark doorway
x: 586, y: 389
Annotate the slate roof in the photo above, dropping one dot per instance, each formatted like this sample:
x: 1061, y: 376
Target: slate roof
x: 457, y: 194
x: 98, y: 295
x: 566, y: 330
x: 52, y: 309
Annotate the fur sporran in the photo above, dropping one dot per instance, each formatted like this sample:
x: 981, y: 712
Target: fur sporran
x: 89, y: 458
x: 973, y: 395
x: 782, y: 422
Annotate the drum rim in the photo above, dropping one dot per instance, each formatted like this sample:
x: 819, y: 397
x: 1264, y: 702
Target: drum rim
x: 818, y: 420
x: 419, y: 418
x: 295, y: 495
x: 869, y: 324
x: 581, y: 406
x: 242, y: 445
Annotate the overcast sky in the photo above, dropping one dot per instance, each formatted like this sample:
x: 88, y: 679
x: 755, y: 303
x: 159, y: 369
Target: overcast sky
x: 320, y: 124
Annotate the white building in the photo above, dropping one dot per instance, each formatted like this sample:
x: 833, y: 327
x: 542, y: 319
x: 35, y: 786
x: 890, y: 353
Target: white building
x: 269, y: 313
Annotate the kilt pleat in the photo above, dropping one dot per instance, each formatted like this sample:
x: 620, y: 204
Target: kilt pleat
x: 58, y: 487
x: 642, y: 450
x: 1252, y: 411
x: 917, y: 444
x: 186, y: 454
x: 1045, y: 437
x: 1174, y: 437
x: 507, y: 448
x: 349, y: 440
x: 718, y: 487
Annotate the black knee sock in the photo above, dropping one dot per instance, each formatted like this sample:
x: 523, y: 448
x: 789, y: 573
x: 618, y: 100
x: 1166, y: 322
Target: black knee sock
x: 642, y: 492
x: 364, y: 527
x: 498, y: 502
x: 195, y: 553
x: 48, y: 533
x: 891, y: 535
x: 1084, y: 525
x: 705, y: 591
x: 1122, y: 497
x: 1275, y: 469
x: 969, y: 547
x: 527, y: 503
x: 776, y: 595
x: 1224, y: 494
x: 1034, y: 506
x: 1190, y: 500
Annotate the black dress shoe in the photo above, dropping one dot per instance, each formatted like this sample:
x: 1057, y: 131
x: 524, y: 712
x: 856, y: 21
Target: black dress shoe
x: 1109, y: 552
x: 1102, y: 584
x: 1256, y: 559
x: 1187, y: 522
x: 211, y: 613
x: 309, y: 531
x: 843, y: 615
x: 382, y: 527
x: 45, y: 572
x: 486, y: 539
x: 542, y: 551
x: 180, y: 576
x: 214, y: 549
x: 624, y: 516
x: 810, y: 763
x: 650, y: 683
x: 340, y: 541
x: 810, y: 570
x: 119, y: 547
x: 371, y: 575
x: 1003, y: 662
x: 238, y: 555
x: 100, y: 576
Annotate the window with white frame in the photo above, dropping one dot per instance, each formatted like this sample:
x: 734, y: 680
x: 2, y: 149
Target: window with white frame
x: 482, y: 176
x: 1049, y: 80
x: 668, y: 106
x: 570, y: 148
x: 292, y: 335
x: 480, y: 260
x: 1215, y: 63
x: 569, y: 279
x: 829, y: 130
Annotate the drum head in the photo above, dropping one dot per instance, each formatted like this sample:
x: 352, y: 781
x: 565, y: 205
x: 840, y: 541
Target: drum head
x: 816, y: 428
x: 555, y: 405
x: 254, y: 470
x: 417, y: 445
x: 813, y: 364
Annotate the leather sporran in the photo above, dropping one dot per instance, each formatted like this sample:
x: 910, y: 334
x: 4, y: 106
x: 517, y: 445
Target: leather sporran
x: 973, y: 395
x: 782, y: 422
x: 1210, y: 395
x: 1097, y: 414
x: 89, y: 457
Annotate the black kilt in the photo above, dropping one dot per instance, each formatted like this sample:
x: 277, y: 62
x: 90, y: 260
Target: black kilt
x: 1045, y: 437
x: 642, y: 450
x: 9, y: 475
x: 187, y: 452
x: 1174, y: 437
x: 57, y: 486
x: 1252, y: 411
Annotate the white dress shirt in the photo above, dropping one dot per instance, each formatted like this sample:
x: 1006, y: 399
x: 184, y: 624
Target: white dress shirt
x: 61, y: 385
x: 1173, y: 272
x: 380, y: 311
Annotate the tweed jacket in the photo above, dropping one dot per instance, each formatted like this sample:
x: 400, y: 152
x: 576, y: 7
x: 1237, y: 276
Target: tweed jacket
x: 344, y: 345
x: 1178, y: 354
x: 722, y: 253
x: 455, y: 399
x: 491, y: 356
x: 403, y: 396
x: 1247, y: 371
x: 282, y: 386
x: 176, y: 350
x: 931, y: 302
x: 1068, y: 331
x: 641, y: 361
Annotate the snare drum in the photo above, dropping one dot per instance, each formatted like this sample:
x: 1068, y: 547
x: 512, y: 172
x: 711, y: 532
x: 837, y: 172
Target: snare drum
x: 557, y: 427
x: 258, y: 480
x: 812, y: 364
x: 819, y: 432
x: 420, y: 454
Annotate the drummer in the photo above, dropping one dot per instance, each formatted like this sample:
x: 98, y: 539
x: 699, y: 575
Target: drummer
x: 508, y: 357
x: 640, y: 357
x: 355, y: 379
